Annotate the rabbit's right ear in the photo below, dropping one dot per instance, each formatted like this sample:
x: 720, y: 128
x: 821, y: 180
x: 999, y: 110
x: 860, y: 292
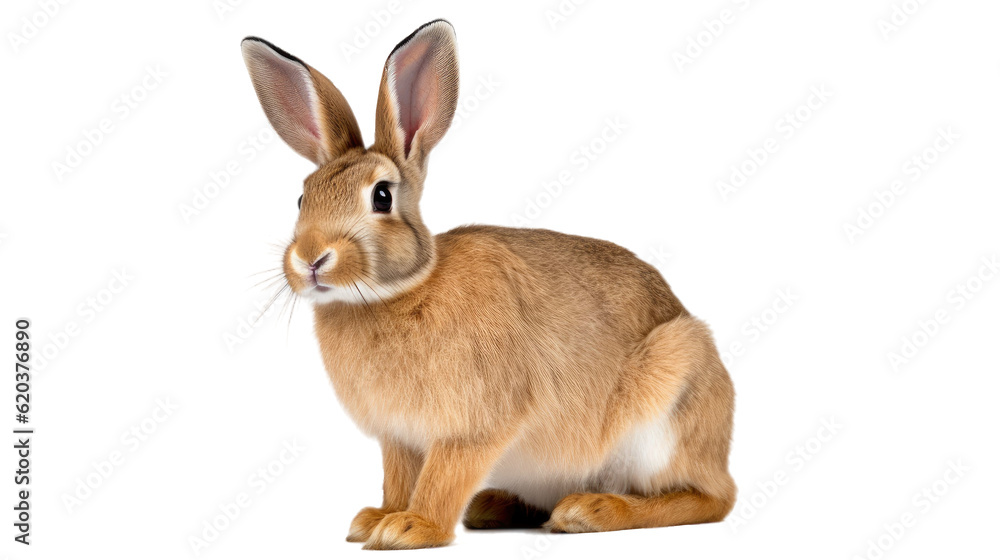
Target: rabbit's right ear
x: 418, y: 94
x: 304, y: 107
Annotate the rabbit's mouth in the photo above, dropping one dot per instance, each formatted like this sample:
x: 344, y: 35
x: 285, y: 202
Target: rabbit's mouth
x: 321, y: 289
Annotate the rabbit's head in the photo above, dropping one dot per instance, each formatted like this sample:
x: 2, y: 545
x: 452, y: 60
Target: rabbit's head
x: 359, y: 234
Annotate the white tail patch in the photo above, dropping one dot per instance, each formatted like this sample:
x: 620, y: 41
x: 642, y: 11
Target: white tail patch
x: 638, y: 459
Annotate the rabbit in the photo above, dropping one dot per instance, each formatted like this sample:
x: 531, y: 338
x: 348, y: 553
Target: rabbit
x: 512, y: 377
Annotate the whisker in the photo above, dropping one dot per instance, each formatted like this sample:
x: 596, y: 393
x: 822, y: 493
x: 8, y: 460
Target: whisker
x: 370, y: 310
x: 265, y: 271
x: 291, y: 310
x: 271, y: 302
x: 374, y: 291
x: 351, y: 227
x: 270, y: 281
x: 285, y: 303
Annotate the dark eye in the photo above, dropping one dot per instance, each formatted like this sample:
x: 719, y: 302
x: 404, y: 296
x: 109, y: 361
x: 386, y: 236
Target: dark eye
x: 300, y: 202
x: 381, y: 199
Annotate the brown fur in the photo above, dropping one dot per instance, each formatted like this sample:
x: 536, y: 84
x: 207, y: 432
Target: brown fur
x: 499, y: 509
x: 486, y: 340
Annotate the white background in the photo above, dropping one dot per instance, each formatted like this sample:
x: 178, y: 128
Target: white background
x: 824, y: 360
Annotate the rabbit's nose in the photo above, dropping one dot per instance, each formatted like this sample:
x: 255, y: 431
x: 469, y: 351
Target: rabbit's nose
x: 320, y: 261
x: 319, y: 265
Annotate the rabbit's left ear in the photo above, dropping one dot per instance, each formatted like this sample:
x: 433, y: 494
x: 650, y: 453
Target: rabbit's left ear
x: 418, y: 94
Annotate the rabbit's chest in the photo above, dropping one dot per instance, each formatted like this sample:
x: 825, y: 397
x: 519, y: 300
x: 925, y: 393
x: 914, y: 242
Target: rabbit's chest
x: 425, y: 378
x: 411, y: 396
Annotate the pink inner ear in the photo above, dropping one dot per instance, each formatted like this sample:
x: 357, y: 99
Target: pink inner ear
x: 294, y: 94
x: 416, y: 88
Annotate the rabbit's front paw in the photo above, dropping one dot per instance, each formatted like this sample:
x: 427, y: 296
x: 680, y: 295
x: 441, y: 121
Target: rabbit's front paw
x: 364, y: 523
x: 406, y: 529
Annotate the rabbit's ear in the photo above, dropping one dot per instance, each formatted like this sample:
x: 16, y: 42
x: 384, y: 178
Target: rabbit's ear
x: 418, y: 95
x: 307, y: 111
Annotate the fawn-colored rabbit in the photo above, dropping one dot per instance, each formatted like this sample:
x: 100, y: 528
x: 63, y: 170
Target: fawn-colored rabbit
x: 559, y: 373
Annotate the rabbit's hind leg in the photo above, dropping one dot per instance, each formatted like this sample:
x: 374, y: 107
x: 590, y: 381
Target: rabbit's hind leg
x: 586, y: 513
x: 673, y: 470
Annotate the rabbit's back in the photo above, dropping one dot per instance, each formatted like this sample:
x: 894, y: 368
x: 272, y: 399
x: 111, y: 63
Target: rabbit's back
x: 615, y: 284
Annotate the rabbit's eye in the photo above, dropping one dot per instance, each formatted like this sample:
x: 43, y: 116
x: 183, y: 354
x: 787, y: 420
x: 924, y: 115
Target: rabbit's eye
x: 381, y: 199
x: 300, y: 201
